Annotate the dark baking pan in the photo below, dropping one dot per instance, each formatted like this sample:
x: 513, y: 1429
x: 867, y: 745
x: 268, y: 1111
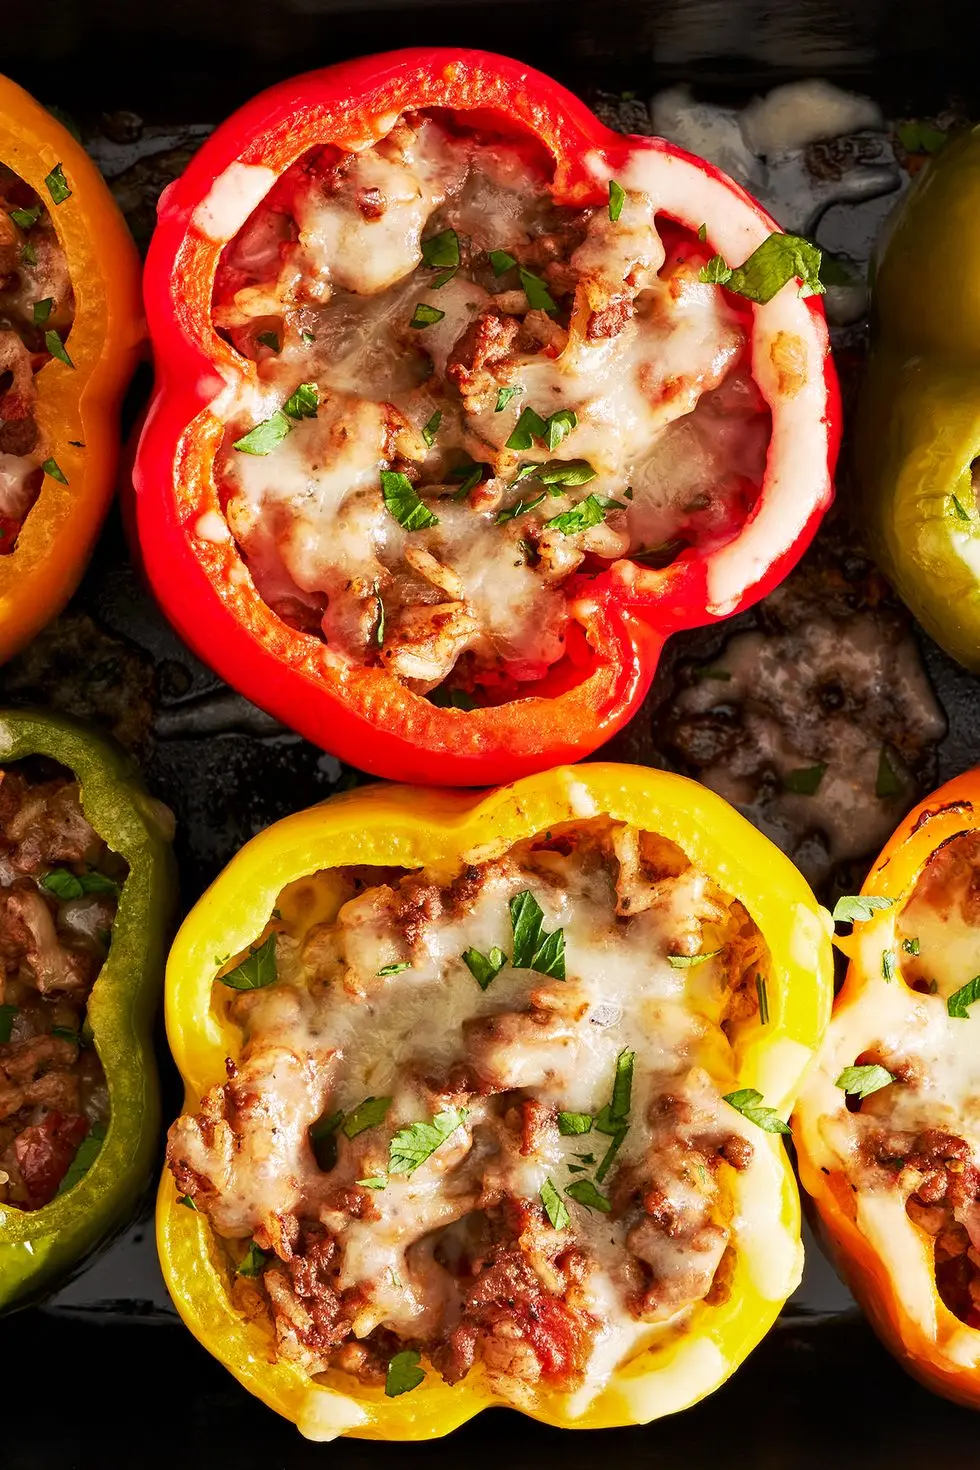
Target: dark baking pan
x: 104, y: 1374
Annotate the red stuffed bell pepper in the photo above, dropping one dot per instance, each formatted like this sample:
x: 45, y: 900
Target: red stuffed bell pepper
x: 461, y: 409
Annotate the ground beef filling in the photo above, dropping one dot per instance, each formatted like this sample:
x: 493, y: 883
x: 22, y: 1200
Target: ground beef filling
x: 37, y: 306
x: 377, y: 1035
x: 644, y: 408
x: 58, y: 891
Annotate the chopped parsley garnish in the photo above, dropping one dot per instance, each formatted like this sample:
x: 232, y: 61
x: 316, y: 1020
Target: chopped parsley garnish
x: 748, y: 1102
x: 617, y: 198
x: 806, y: 781
x: 780, y: 258
x: 29, y: 255
x: 519, y: 508
x: 910, y: 946
x: 57, y: 185
x: 7, y: 1014
x: 887, y: 782
x: 425, y: 315
x: 25, y: 218
x: 484, y: 967
x: 470, y: 475
x: 52, y: 468
x: 762, y: 991
x: 404, y: 504
x: 613, y: 1119
x: 863, y: 1081
x: 623, y: 1085
x: 501, y: 260
x: 690, y: 961
x: 504, y: 395
x: 858, y: 908
x: 570, y: 472
x: 396, y: 968
x: 65, y: 1033
x: 254, y: 1261
x: 66, y: 885
x: 703, y: 234
x: 430, y: 429
x: 404, y: 1373
x: 368, y: 1114
x: 379, y: 627
x: 270, y: 340
x: 86, y: 1155
x: 256, y: 971
x: 560, y: 423
x: 554, y: 1206
x: 308, y: 337
x: 304, y: 403
x: 529, y: 426
x: 571, y: 1124
x: 585, y: 1193
x: 264, y: 438
x: 887, y: 964
x: 962, y: 513
x: 377, y: 1181
x: 56, y: 347
x: 411, y: 1146
x: 534, y: 948
x: 957, y: 1004
x: 589, y: 512
x: 538, y: 297
x: 186, y: 1201
x: 42, y: 310
x: 441, y: 250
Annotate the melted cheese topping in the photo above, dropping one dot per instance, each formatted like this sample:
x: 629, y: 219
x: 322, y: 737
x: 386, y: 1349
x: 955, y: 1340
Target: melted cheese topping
x: 934, y: 1057
x: 374, y: 999
x: 653, y: 365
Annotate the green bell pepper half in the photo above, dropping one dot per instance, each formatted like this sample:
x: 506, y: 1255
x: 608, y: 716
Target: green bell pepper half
x: 918, y: 423
x: 39, y: 1248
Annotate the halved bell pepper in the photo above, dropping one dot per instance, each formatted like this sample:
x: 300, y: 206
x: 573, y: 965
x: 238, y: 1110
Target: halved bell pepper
x: 918, y: 423
x: 887, y: 1259
x: 39, y: 1248
x: 620, y: 615
x: 78, y: 404
x: 408, y: 827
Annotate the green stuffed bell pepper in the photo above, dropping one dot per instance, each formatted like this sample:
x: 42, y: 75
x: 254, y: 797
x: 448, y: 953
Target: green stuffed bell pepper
x: 918, y: 427
x: 87, y: 891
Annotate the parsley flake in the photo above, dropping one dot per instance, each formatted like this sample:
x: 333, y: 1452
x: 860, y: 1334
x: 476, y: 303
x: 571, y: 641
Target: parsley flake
x: 571, y: 1124
x: 186, y: 1201
x: 780, y: 258
x: 703, y: 233
x: 501, y: 261
x: 52, y: 468
x: 571, y: 472
x: 887, y: 782
x: 519, y: 508
x: 367, y: 1114
x: 270, y: 340
x: 560, y: 423
x: 425, y: 315
x: 504, y: 395
x: 256, y: 971
x: 762, y: 991
x: 404, y: 1373
x: 404, y: 504
x: 377, y: 1181
x: 412, y: 1145
x: 911, y: 946
x: 690, y: 961
x: 254, y: 1261
x: 806, y: 781
x: 585, y: 1193
x: 430, y: 429
x: 589, y: 512
x: 962, y: 514
x: 747, y: 1102
x: 554, y: 1206
x: 538, y: 296
x: 25, y: 218
x: 529, y: 426
x: 57, y: 185
x: 858, y: 908
x: 396, y: 968
x: 265, y: 436
x: 441, y: 250
x: 56, y: 347
x: 42, y: 310
x: 87, y: 1153
x: 29, y: 255
x: 887, y: 965
x: 617, y: 198
x: 303, y: 403
x: 484, y: 967
x: 863, y: 1081
x: 534, y: 948
x: 957, y: 1004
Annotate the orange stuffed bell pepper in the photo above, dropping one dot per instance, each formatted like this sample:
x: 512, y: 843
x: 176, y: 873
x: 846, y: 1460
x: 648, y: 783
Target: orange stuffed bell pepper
x: 72, y: 325
x: 483, y: 1103
x: 886, y: 1127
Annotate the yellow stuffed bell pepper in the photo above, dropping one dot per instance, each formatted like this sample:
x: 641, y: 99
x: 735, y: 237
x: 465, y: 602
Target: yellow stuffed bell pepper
x: 72, y: 328
x: 484, y: 1099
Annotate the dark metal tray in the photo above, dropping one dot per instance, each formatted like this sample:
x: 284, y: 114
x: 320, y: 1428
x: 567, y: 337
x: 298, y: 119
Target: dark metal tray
x: 105, y: 1374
